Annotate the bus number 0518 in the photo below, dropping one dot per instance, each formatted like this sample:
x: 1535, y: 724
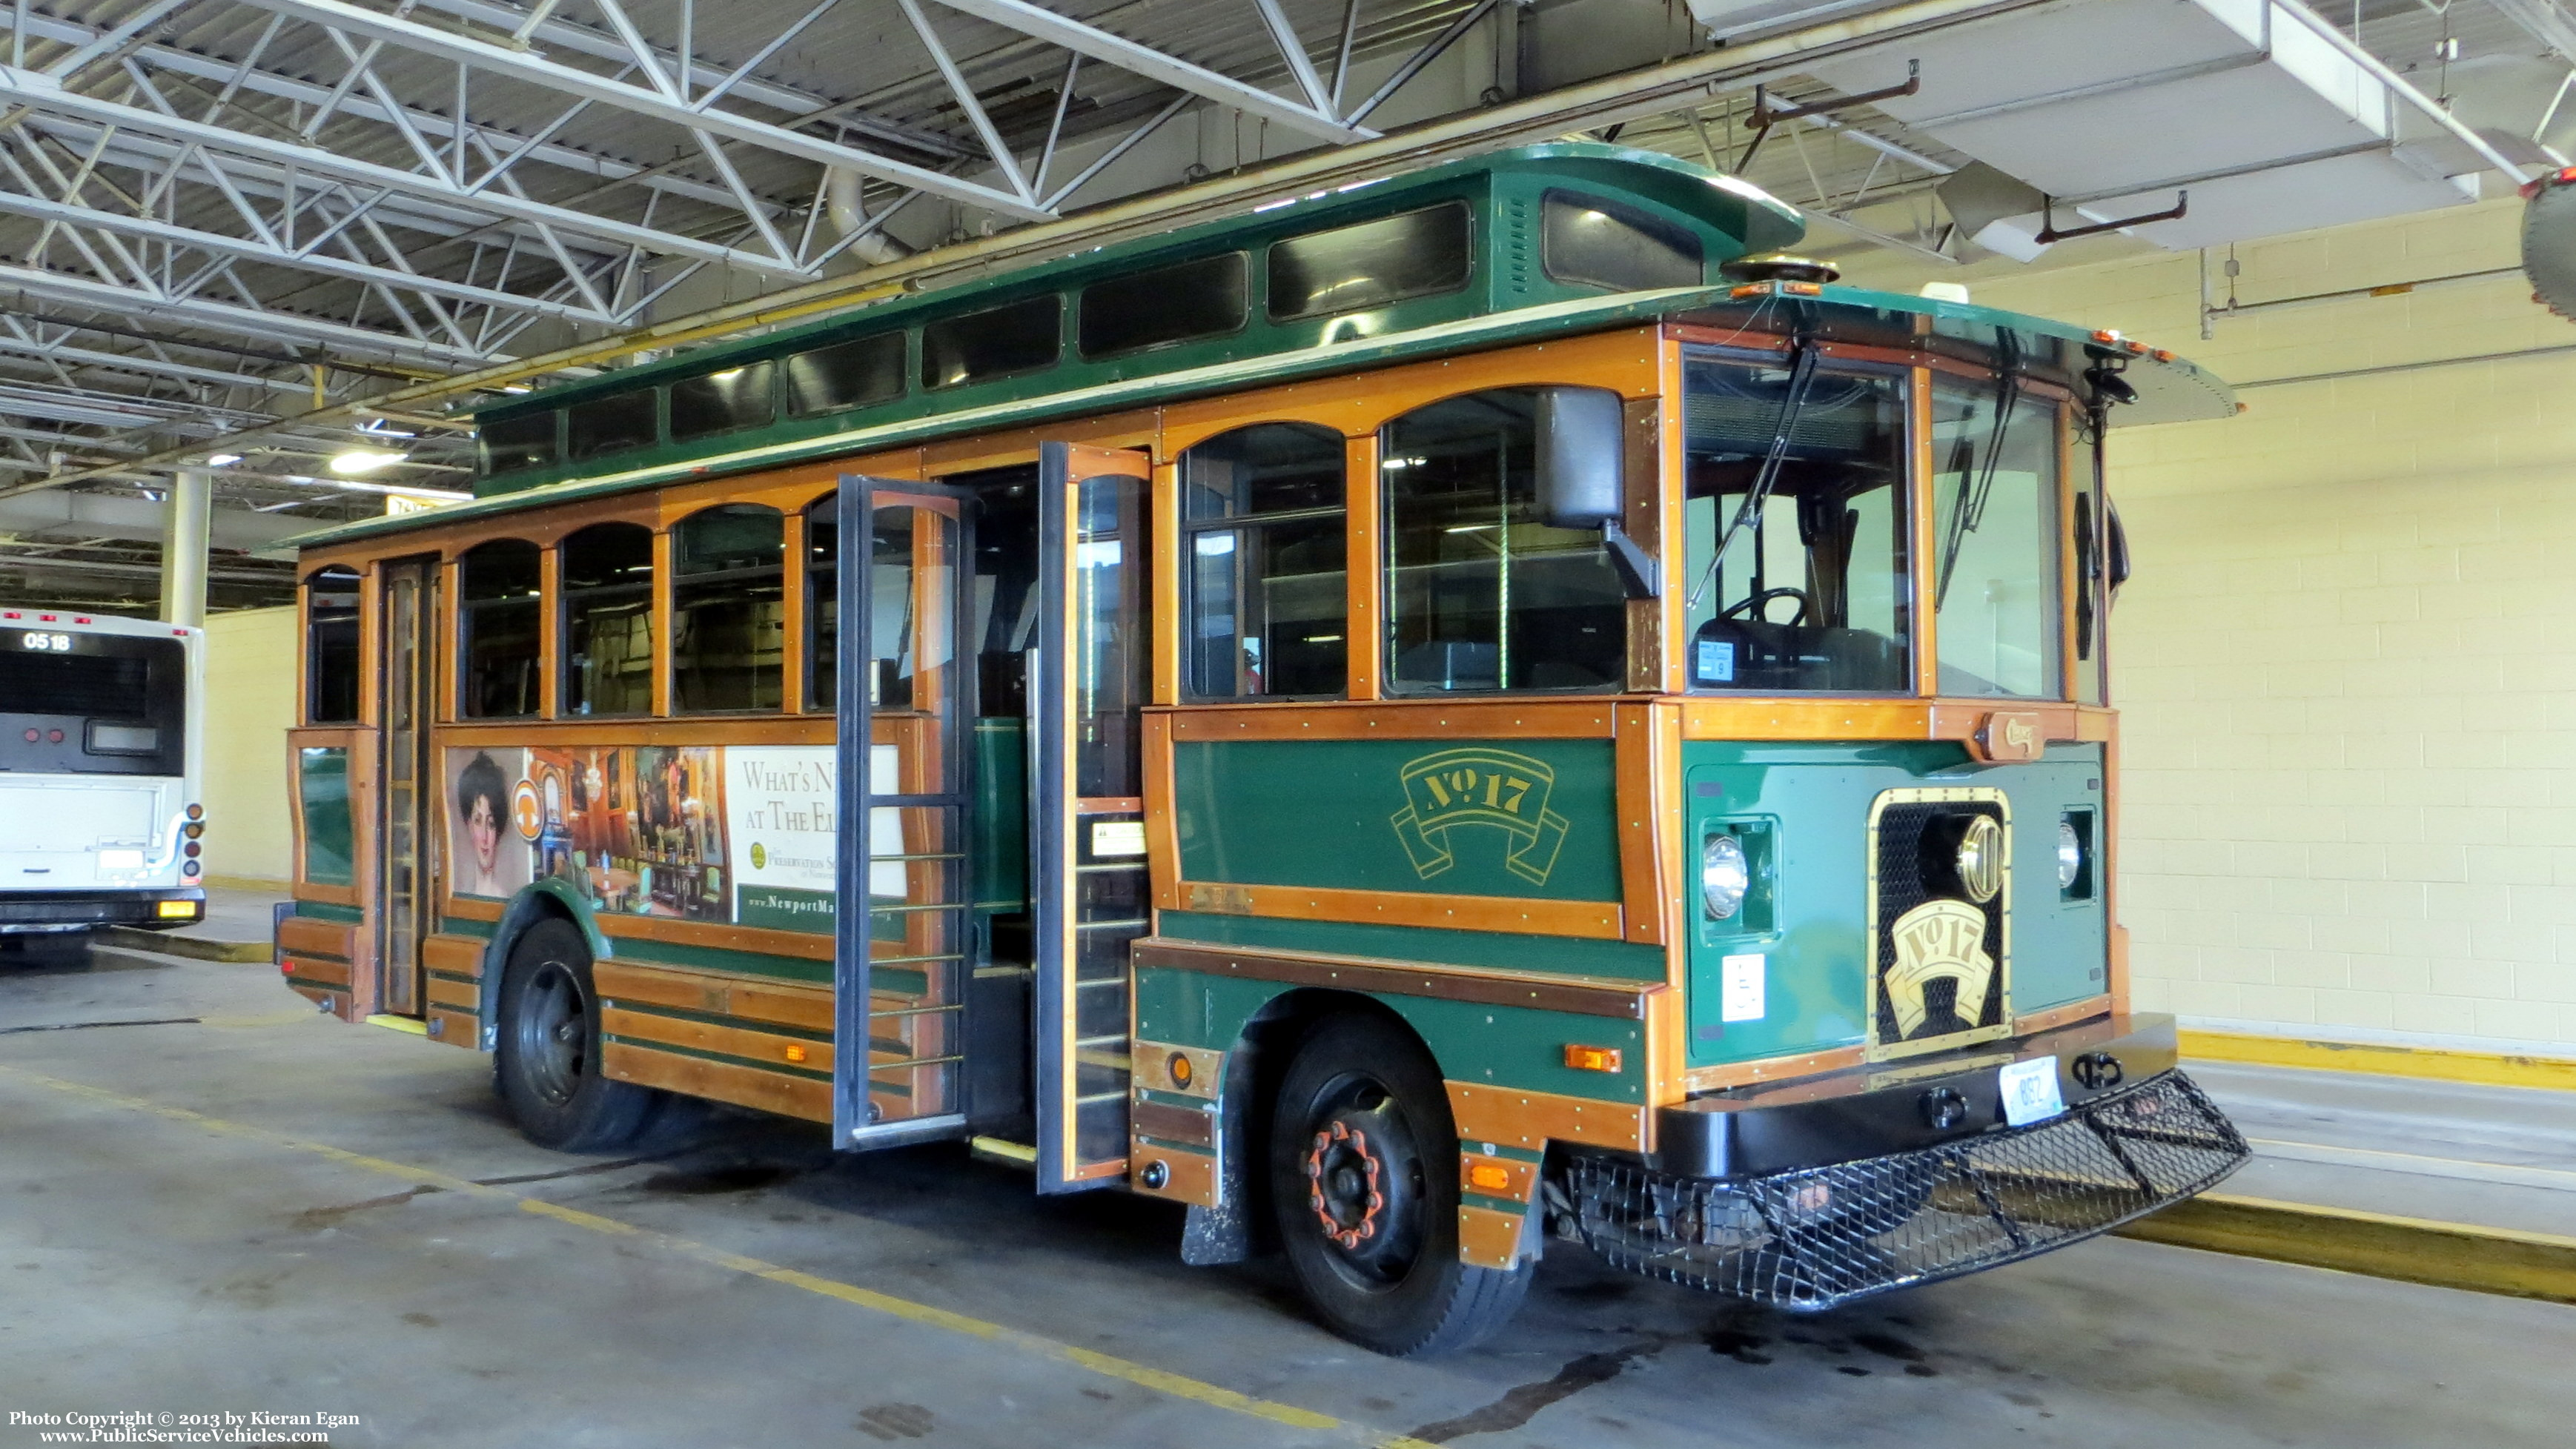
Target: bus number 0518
x: 48, y: 643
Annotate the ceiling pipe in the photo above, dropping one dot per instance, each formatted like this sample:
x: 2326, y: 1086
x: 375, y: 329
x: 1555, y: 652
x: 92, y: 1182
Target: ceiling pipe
x: 841, y: 205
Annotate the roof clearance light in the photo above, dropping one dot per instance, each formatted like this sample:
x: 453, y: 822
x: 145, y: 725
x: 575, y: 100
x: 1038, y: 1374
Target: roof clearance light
x: 2106, y: 335
x: 222, y: 460
x: 357, y: 462
x: 2163, y: 354
x: 1749, y: 289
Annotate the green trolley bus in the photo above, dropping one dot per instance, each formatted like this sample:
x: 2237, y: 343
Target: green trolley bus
x: 1455, y: 712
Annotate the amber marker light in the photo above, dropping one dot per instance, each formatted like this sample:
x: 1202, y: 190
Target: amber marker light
x: 796, y: 1054
x: 1180, y: 1068
x: 1592, y: 1058
x: 1487, y: 1177
x: 178, y: 910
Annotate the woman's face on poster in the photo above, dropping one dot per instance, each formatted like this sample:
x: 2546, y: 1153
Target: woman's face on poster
x: 485, y: 829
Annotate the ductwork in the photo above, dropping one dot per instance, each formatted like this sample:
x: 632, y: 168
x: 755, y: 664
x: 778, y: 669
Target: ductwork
x: 841, y: 205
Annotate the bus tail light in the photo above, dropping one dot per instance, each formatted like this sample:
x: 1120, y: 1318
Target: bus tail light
x: 196, y: 812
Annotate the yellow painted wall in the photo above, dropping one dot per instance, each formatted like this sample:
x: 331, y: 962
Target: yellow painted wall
x: 2347, y: 663
x: 250, y: 701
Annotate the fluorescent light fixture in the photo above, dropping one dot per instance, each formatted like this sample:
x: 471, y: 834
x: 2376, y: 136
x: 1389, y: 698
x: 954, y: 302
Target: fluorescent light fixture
x: 516, y: 387
x: 354, y: 486
x: 357, y: 462
x: 222, y: 460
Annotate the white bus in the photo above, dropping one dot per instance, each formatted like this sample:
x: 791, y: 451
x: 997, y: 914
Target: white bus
x: 100, y: 812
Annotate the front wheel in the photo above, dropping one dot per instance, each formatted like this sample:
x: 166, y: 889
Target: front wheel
x: 1364, y: 1179
x: 548, y: 1058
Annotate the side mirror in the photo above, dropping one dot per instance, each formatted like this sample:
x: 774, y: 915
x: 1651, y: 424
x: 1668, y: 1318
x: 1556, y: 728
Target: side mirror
x: 1582, y: 442
x: 1582, y: 453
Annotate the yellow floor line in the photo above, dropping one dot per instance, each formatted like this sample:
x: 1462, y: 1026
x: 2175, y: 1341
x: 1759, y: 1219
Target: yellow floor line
x: 2429, y: 1063
x: 2413, y: 1250
x: 1179, y: 1386
x: 2414, y: 1164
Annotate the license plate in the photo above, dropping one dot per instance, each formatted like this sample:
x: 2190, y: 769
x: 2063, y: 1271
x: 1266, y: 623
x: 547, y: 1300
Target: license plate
x: 2030, y: 1091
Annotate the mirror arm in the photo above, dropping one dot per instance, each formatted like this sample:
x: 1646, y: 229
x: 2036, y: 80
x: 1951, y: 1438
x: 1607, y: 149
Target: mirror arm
x: 1640, y: 573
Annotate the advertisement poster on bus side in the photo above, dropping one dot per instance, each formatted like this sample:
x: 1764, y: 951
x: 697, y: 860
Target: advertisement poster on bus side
x: 638, y: 830
x: 780, y: 807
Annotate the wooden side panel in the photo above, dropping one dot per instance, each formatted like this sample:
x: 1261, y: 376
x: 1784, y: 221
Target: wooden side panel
x: 1512, y: 1118
x: 305, y: 936
x: 1489, y: 1237
x: 719, y: 1081
x: 731, y: 1041
x: 777, y: 1003
x: 313, y: 971
x: 1593, y: 920
x: 1188, y: 1177
x: 461, y: 996
x: 453, y: 955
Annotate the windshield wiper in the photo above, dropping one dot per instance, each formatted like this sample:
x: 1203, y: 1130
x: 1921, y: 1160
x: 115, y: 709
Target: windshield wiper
x: 1803, y: 356
x: 1970, y: 510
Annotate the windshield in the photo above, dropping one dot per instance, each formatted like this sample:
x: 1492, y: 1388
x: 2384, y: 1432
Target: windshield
x: 1797, y: 570
x: 1994, y: 526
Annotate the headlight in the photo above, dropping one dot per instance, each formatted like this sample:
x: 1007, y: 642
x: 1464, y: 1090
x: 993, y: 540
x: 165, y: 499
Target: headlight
x: 1980, y: 862
x: 2070, y: 855
x: 1723, y: 875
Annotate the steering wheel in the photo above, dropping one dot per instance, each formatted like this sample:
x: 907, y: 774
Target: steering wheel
x: 1754, y: 605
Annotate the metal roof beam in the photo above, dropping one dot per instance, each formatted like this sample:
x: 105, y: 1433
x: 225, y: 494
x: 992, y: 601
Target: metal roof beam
x: 43, y: 95
x: 1118, y: 50
x: 492, y: 59
x: 229, y: 317
x: 25, y: 346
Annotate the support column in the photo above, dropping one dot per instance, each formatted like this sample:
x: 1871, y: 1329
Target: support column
x: 183, y: 548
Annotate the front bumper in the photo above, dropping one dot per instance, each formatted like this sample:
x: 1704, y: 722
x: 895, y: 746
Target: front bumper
x: 1808, y: 1235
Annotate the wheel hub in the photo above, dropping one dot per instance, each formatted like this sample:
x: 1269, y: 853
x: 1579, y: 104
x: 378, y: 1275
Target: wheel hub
x: 1345, y: 1174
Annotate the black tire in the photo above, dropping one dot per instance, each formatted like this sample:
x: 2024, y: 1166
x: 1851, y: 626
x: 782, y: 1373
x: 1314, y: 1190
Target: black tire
x: 547, y: 1060
x: 1364, y: 1183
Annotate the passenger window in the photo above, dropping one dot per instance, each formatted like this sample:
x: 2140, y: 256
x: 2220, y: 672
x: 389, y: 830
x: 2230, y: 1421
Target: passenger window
x: 728, y: 609
x: 845, y: 375
x: 823, y: 603
x: 1995, y: 540
x: 608, y: 620
x: 720, y: 402
x: 1370, y: 264
x: 331, y: 646
x: 996, y: 342
x: 497, y: 608
x: 1603, y: 244
x: 1797, y: 572
x: 1480, y: 595
x: 610, y: 424
x: 1268, y: 601
x: 1143, y: 310
x: 509, y: 444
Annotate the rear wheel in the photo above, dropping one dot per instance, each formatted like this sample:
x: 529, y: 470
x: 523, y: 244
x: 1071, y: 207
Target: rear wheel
x: 1364, y: 1179
x: 548, y: 1058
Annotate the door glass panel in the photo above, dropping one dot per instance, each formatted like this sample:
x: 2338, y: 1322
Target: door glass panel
x: 906, y: 960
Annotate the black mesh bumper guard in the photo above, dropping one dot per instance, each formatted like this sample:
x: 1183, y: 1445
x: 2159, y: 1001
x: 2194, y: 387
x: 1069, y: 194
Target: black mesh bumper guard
x: 1813, y: 1238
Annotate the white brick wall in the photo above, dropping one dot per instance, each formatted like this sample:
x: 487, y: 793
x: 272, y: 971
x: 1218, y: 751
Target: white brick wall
x: 2347, y: 663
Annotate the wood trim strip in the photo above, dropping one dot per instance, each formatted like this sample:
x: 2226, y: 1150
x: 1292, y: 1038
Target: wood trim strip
x: 1162, y: 817
x: 1509, y: 1117
x: 1791, y: 718
x: 455, y: 1028
x: 330, y: 973
x: 1363, y: 557
x: 1191, y: 1177
x: 550, y: 630
x: 326, y: 895
x: 759, y: 940
x: 1588, y: 719
x: 1770, y: 1069
x: 732, y: 1041
x: 720, y: 1081
x: 665, y: 549
x: 1576, y: 995
x: 2067, y: 1015
x: 791, y: 615
x: 305, y: 936
x: 456, y: 955
x: 1490, y: 1237
x: 461, y: 996
x: 762, y: 729
x: 1163, y: 586
x: 1187, y: 1125
x: 1589, y: 920
x: 1649, y: 809
x: 1523, y: 1175
x: 716, y: 993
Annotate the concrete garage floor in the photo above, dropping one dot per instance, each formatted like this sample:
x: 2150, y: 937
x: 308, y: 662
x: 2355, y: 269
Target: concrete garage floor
x: 267, y: 1210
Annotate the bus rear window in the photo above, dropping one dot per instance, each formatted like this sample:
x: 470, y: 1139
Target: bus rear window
x: 1371, y: 264
x: 609, y: 424
x: 997, y: 342
x: 720, y: 402
x: 83, y: 703
x: 510, y: 444
x: 1201, y: 298
x: 1603, y: 244
x: 845, y: 375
